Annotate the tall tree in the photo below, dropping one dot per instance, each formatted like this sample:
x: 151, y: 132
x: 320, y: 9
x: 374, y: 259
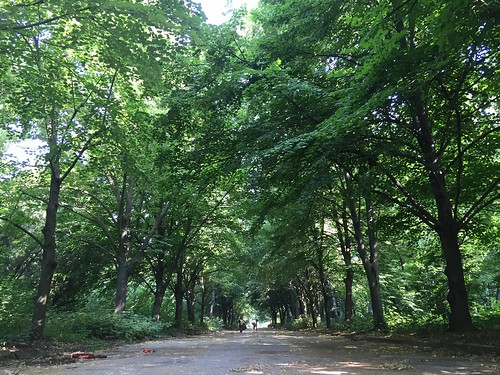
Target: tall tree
x: 432, y: 113
x: 415, y: 92
x: 62, y: 77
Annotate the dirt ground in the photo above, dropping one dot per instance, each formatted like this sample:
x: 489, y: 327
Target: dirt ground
x: 270, y: 352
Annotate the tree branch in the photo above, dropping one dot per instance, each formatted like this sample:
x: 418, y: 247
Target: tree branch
x: 481, y: 202
x: 149, y: 236
x: 43, y: 22
x: 417, y: 209
x: 22, y: 229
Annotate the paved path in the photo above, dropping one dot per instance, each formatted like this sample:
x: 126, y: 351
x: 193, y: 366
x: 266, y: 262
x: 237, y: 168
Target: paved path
x: 270, y: 353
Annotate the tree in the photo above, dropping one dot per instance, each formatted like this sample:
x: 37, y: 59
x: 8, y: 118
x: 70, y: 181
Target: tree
x: 62, y: 78
x: 411, y: 99
x: 270, y: 162
x: 57, y: 117
x: 430, y: 121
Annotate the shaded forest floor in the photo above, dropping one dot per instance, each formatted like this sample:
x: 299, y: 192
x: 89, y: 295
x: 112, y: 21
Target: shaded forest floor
x: 475, y: 344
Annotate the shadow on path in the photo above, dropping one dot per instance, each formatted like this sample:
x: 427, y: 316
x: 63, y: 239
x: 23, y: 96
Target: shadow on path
x: 273, y: 352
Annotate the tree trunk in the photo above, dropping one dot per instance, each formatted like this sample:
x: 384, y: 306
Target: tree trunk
x: 327, y: 299
x: 348, y: 301
x: 163, y: 277
x: 294, y: 303
x: 325, y: 290
x: 460, y: 318
x: 281, y: 311
x: 179, y: 297
x: 314, y: 313
x: 203, y: 300
x: 190, y: 304
x: 345, y: 247
x: 49, y: 264
x: 124, y: 222
x: 302, y: 304
x: 160, y: 289
x: 158, y: 301
x: 376, y: 297
x: 447, y: 227
x: 370, y: 264
x: 311, y: 303
x: 213, y: 301
x: 121, y: 286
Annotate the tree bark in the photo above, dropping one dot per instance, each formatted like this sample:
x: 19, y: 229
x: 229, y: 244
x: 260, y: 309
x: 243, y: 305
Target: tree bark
x: 162, y: 281
x: 160, y: 289
x: 327, y: 297
x: 49, y: 263
x: 345, y: 249
x: 375, y: 292
x: 179, y: 297
x: 124, y: 222
x: 348, y: 301
x: 447, y: 225
x: 213, y: 301
x: 302, y: 303
x: 274, y: 317
x: 370, y: 263
x: 158, y: 302
x: 203, y: 300
x: 190, y: 304
x: 310, y: 292
x: 460, y: 318
x: 294, y: 302
x: 121, y: 285
x: 125, y: 260
x: 325, y: 290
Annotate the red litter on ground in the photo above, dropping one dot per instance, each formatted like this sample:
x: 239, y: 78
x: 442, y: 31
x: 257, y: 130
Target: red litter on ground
x: 82, y: 355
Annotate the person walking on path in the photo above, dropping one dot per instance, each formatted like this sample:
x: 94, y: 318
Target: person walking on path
x: 254, y: 324
x: 241, y: 324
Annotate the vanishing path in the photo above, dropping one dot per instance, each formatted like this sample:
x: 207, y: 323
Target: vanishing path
x: 268, y: 352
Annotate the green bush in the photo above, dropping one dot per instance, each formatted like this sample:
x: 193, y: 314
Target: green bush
x: 302, y: 322
x: 358, y: 324
x: 101, y: 324
x: 416, y: 321
x: 486, y: 316
x: 16, y: 308
x: 214, y: 324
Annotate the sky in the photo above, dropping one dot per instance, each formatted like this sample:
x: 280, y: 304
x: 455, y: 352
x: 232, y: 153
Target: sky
x: 214, y: 9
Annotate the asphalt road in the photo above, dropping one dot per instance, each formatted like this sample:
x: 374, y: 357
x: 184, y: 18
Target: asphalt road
x: 267, y: 352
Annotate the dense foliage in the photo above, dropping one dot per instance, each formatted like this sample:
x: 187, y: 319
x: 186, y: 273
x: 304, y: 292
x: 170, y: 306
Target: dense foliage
x: 313, y: 163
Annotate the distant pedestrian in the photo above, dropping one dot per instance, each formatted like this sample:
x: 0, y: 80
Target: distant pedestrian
x: 241, y: 324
